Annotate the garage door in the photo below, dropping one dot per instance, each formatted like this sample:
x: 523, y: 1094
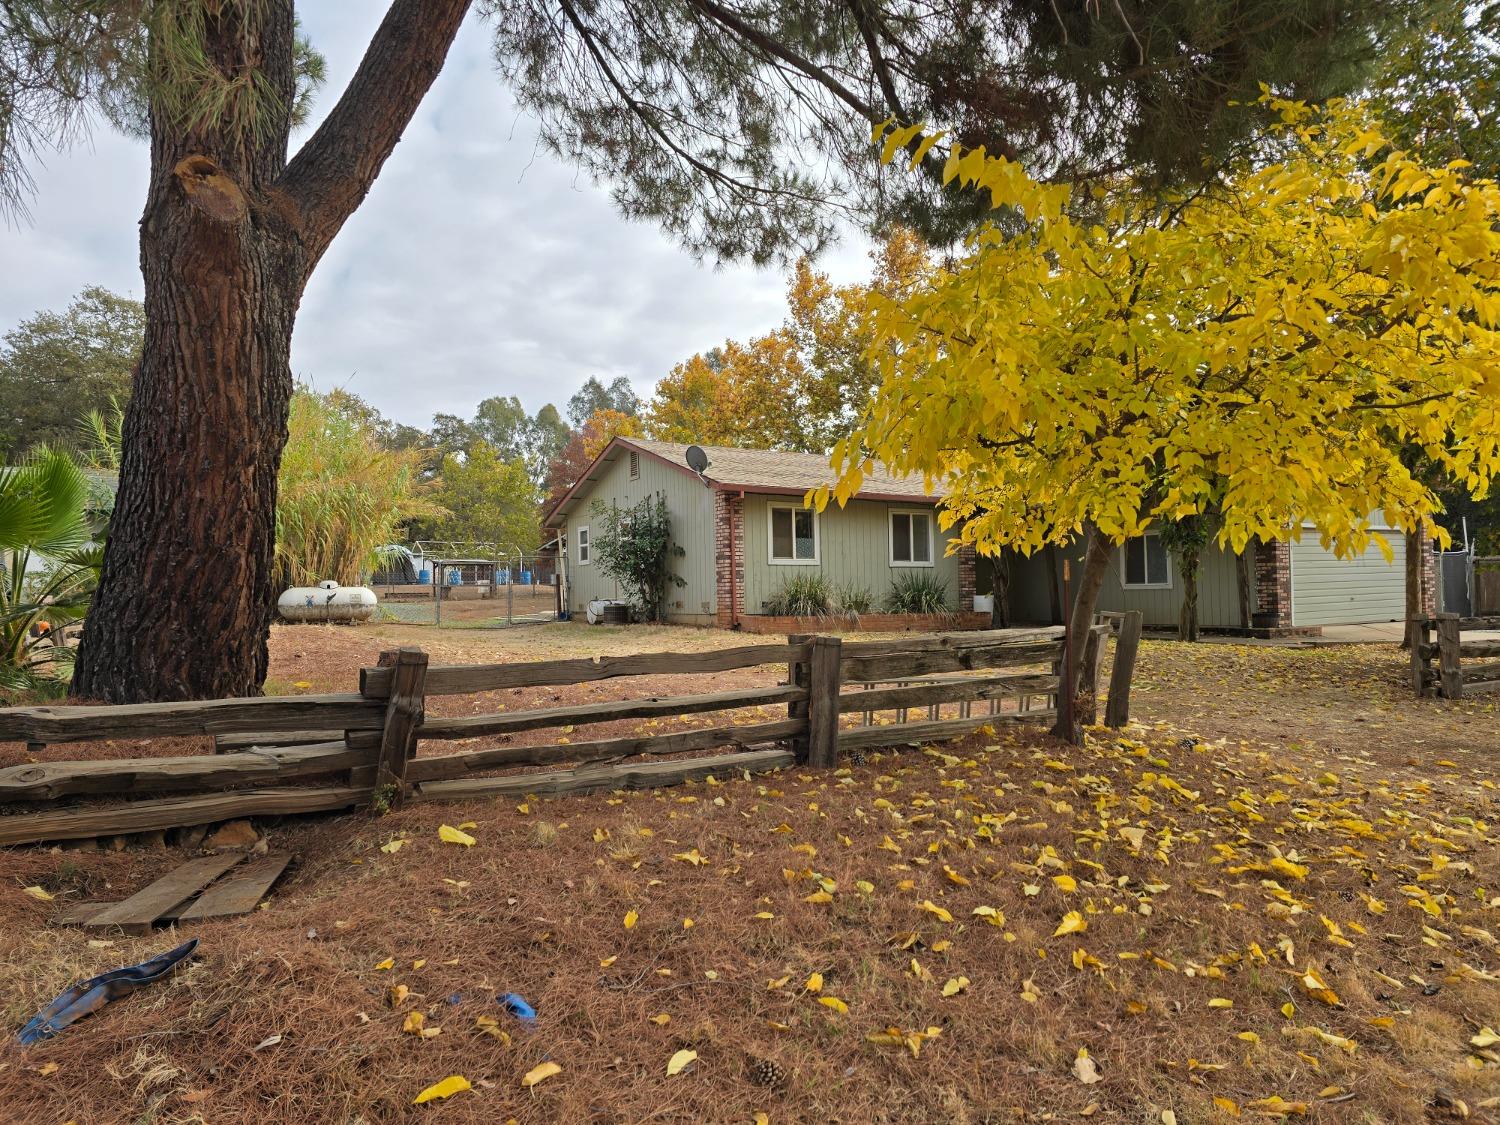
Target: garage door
x: 1331, y: 591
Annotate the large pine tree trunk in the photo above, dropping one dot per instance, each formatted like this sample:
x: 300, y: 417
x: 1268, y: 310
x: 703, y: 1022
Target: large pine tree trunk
x: 230, y: 233
x: 183, y: 605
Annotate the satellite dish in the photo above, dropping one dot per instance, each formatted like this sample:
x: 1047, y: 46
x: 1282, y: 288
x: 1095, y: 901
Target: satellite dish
x: 697, y: 459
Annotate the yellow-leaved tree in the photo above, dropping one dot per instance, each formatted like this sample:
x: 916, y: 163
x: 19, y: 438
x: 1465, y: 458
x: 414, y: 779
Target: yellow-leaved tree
x: 1266, y: 346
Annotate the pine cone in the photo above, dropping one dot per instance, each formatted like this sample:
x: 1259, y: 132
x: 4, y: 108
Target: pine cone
x: 858, y: 757
x: 766, y: 1072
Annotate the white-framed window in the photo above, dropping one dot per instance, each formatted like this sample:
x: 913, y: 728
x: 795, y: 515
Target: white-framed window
x: 1144, y: 564
x: 911, y: 538
x: 585, y: 555
x: 792, y: 535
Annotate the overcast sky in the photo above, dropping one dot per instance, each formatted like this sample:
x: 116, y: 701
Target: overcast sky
x: 477, y: 266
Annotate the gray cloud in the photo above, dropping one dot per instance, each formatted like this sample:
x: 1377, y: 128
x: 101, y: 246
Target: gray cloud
x: 478, y: 265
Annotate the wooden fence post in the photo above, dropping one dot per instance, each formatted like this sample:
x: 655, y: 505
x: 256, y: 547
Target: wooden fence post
x: 1087, y: 707
x: 1449, y: 639
x: 823, y: 702
x: 798, y: 674
x: 1419, y: 631
x: 403, y: 714
x: 1127, y: 644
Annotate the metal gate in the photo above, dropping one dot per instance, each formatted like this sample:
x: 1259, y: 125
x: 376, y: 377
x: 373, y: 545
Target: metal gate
x: 470, y: 585
x: 1456, y: 583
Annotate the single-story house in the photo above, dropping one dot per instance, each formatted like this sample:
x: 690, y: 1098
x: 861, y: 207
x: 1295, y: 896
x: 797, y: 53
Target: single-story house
x: 743, y: 530
x: 1288, y: 586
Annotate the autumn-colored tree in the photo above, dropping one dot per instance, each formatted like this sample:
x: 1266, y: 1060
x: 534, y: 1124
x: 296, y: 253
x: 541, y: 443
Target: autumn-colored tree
x: 605, y: 425
x: 1267, y: 347
x: 828, y: 323
x: 800, y: 387
x: 756, y: 394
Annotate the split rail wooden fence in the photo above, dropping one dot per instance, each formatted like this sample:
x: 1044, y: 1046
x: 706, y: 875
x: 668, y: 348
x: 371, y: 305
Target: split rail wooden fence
x: 316, y: 753
x: 1452, y: 678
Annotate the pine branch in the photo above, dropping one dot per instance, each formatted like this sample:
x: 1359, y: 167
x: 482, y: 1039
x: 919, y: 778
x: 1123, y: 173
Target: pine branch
x: 333, y: 172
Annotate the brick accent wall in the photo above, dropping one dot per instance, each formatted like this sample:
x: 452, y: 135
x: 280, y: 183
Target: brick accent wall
x: 1429, y: 575
x: 1273, y: 585
x: 729, y: 525
x: 966, y: 578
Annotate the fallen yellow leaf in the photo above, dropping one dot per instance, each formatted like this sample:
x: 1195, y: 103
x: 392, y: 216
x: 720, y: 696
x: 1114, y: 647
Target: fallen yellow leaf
x: 539, y: 1074
x: 453, y: 1084
x: 1072, y: 923
x: 680, y: 1060
x: 631, y: 918
x: 450, y: 835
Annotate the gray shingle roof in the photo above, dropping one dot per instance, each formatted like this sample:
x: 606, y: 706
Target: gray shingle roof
x: 773, y: 469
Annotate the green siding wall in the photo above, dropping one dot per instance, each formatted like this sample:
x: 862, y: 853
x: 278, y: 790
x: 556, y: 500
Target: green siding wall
x: 690, y: 507
x: 1218, y: 591
x: 854, y: 549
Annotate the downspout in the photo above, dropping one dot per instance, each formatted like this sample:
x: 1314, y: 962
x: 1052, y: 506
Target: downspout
x: 734, y: 593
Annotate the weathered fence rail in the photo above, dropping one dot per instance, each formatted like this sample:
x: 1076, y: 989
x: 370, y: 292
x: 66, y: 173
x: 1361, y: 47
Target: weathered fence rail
x: 1452, y: 678
x: 317, y: 753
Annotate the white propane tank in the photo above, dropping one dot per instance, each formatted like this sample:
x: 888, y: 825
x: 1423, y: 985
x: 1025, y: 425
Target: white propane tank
x: 327, y: 601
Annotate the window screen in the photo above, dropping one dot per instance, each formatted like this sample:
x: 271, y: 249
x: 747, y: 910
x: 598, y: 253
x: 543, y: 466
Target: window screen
x: 793, y: 535
x: 911, y: 538
x: 1146, y: 562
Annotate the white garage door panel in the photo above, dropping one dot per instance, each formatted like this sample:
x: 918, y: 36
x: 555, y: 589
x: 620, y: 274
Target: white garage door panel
x: 1331, y: 591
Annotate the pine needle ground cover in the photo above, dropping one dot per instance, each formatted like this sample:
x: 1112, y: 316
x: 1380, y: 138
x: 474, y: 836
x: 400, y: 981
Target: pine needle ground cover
x: 1176, y: 922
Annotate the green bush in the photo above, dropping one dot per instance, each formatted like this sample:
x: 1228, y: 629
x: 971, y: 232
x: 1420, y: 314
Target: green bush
x: 853, y: 600
x: 917, y: 593
x: 804, y: 595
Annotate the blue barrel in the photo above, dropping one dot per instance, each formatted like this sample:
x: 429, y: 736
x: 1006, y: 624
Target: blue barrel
x: 525, y: 578
x: 424, y: 576
x: 455, y: 577
x: 502, y: 576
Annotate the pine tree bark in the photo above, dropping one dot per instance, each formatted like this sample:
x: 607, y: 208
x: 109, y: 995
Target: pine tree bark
x: 230, y: 235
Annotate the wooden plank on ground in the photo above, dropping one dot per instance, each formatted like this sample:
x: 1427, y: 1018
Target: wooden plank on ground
x: 459, y: 679
x: 1469, y: 650
x: 45, y: 781
x: 136, y: 914
x: 208, y: 716
x: 80, y: 912
x: 174, y: 812
x: 593, y: 779
x: 239, y: 892
x: 472, y: 726
x: 677, y: 742
x: 899, y: 734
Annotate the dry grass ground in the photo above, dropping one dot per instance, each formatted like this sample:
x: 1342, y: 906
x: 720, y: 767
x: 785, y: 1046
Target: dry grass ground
x: 1275, y: 897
